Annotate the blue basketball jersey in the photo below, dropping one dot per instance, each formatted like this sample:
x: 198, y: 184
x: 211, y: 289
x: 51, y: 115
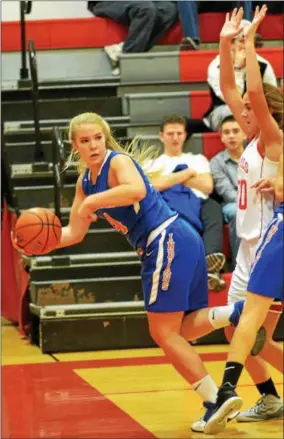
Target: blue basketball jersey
x: 135, y: 221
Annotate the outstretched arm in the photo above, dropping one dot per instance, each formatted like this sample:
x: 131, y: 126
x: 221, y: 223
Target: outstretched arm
x: 231, y: 28
x: 272, y: 136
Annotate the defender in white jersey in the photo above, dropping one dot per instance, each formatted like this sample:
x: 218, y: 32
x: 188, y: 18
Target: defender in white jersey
x: 259, y: 113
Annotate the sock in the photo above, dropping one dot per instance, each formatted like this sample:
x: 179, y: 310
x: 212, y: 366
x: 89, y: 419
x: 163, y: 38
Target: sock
x: 267, y: 388
x: 206, y: 388
x: 219, y: 316
x: 232, y: 373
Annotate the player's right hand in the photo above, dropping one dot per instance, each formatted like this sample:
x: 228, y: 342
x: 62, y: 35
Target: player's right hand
x: 16, y: 245
x: 265, y: 186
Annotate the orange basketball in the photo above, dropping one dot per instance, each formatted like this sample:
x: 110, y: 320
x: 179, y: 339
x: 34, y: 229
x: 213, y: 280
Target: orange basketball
x: 38, y: 231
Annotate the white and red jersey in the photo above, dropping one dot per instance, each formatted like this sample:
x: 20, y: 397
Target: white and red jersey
x: 254, y: 211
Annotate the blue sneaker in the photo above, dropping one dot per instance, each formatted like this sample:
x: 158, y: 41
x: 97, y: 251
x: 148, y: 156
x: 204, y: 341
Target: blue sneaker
x: 228, y: 403
x: 200, y: 424
x: 236, y: 314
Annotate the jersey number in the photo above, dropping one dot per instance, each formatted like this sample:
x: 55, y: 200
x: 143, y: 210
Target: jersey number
x: 242, y: 187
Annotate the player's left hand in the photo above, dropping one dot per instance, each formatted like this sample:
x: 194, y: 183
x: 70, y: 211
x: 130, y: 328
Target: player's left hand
x: 86, y: 212
x: 249, y: 31
x: 17, y: 246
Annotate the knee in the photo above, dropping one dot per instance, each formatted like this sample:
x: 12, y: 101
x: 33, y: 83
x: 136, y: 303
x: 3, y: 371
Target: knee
x: 172, y: 10
x: 249, y: 323
x: 160, y: 336
x: 147, y: 10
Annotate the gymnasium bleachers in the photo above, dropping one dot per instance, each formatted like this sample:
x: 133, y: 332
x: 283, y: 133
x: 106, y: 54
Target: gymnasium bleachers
x: 95, y: 285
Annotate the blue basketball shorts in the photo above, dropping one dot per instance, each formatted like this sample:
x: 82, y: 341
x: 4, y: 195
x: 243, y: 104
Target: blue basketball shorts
x: 266, y: 276
x: 174, y: 270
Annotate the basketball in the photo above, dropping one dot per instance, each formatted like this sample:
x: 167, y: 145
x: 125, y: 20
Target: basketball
x: 38, y: 231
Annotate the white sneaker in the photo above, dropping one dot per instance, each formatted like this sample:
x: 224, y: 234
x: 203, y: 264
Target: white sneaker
x: 200, y: 423
x: 267, y: 407
x: 116, y: 71
x: 114, y: 51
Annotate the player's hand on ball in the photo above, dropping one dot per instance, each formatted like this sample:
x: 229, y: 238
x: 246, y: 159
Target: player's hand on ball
x: 16, y: 245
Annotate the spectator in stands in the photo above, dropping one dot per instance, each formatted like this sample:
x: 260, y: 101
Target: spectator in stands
x: 218, y: 109
x: 148, y: 21
x: 192, y: 199
x: 188, y: 15
x: 224, y: 168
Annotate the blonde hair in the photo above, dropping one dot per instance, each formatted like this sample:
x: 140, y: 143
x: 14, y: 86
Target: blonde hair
x: 274, y: 98
x: 140, y: 153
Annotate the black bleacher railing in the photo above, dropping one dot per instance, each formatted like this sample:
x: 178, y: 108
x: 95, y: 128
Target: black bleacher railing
x: 35, y: 98
x: 25, y: 8
x: 58, y: 158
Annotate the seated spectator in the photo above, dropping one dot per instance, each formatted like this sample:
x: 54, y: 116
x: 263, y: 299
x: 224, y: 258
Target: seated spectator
x: 191, y: 198
x: 188, y: 15
x: 148, y: 21
x: 224, y: 168
x: 218, y: 109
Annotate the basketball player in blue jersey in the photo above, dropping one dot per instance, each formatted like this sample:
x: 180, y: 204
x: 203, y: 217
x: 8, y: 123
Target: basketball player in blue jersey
x: 265, y: 277
x: 113, y: 186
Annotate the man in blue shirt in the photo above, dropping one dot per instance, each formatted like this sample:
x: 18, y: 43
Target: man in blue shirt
x: 224, y: 168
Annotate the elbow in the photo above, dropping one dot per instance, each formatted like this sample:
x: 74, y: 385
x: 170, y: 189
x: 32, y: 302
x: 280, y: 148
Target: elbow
x: 158, y: 186
x: 79, y: 238
x: 77, y: 235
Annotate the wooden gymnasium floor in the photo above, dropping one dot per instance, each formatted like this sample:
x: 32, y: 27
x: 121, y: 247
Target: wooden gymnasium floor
x: 110, y: 394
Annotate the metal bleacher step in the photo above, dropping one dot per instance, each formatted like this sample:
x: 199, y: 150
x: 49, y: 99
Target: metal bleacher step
x: 65, y: 88
x: 23, y: 130
x: 93, y: 326
x: 61, y: 108
x: 89, y: 290
x: 84, y: 266
x: 154, y: 107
